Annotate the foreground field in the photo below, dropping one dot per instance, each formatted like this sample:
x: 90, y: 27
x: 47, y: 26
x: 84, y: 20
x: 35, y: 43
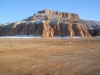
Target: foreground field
x: 50, y: 56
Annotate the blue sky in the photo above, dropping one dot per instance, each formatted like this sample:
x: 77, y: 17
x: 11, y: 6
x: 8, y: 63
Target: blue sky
x: 15, y: 10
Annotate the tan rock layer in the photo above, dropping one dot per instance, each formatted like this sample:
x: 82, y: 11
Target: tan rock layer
x: 60, y: 14
x: 48, y: 31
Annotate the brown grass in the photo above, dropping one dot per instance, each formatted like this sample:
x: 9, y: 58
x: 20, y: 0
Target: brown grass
x: 50, y: 56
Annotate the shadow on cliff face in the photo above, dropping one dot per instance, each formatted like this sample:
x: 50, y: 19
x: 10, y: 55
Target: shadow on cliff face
x: 93, y: 32
x: 38, y: 29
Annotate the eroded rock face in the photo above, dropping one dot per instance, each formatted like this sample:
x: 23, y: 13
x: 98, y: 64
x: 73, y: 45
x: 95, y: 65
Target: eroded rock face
x: 38, y: 29
x: 47, y: 31
x: 28, y: 29
x: 58, y: 27
x: 98, y: 32
x: 56, y: 24
x: 70, y: 31
x: 16, y: 29
x: 84, y: 32
x: 79, y: 30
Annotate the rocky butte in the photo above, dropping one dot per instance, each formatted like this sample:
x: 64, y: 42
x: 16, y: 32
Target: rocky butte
x: 50, y: 24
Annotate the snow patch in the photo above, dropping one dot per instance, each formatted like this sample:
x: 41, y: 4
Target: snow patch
x: 54, y: 19
x: 62, y: 37
x: 21, y: 36
x: 67, y: 37
x: 19, y: 22
x: 77, y: 37
x: 32, y: 36
x: 38, y: 21
x: 98, y: 26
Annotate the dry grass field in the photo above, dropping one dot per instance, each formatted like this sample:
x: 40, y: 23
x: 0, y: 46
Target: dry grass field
x: 50, y: 56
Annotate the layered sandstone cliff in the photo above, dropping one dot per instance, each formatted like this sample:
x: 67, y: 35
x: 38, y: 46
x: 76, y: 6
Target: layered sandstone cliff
x: 47, y: 23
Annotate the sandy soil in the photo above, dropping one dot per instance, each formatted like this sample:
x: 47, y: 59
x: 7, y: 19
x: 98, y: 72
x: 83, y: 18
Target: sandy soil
x: 50, y: 56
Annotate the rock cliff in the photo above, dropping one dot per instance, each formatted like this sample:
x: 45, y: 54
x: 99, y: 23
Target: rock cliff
x: 48, y: 24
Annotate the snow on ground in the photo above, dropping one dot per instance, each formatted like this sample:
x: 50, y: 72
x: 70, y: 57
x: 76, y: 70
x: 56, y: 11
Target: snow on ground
x: 21, y: 36
x: 67, y: 37
x: 77, y: 37
x: 32, y: 36
x: 62, y: 37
